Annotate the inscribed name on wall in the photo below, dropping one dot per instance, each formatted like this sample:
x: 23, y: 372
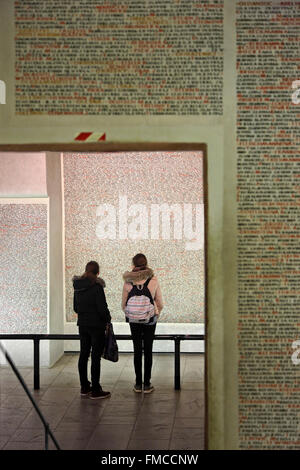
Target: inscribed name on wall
x: 268, y: 223
x: 23, y: 268
x: 110, y: 205
x: 119, y: 58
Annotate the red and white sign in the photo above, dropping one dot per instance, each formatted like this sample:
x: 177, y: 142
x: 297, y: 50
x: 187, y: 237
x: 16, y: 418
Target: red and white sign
x: 90, y: 136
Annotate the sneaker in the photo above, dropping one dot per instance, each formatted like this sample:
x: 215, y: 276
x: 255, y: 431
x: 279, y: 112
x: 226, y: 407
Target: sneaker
x: 137, y: 388
x: 148, y: 388
x: 99, y: 394
x: 86, y: 390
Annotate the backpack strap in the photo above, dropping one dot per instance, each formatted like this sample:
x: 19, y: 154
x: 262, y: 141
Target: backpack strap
x: 148, y: 280
x: 145, y: 286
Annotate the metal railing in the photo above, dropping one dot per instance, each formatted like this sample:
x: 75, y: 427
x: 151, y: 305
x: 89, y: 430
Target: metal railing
x: 48, y: 431
x: 37, y: 338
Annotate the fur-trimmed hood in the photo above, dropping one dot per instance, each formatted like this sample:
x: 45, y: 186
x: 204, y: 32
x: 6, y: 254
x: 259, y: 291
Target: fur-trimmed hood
x: 82, y: 283
x: 138, y: 276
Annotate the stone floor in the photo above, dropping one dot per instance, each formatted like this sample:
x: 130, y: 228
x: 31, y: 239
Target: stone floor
x: 163, y: 420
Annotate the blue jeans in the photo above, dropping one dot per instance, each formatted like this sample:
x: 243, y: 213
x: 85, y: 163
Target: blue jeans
x: 91, y: 338
x: 142, y: 334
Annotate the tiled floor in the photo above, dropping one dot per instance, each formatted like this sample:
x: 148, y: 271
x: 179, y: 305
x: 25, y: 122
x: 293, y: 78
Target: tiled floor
x: 165, y: 419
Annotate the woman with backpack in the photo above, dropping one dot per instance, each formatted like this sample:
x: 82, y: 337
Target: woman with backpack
x: 142, y: 304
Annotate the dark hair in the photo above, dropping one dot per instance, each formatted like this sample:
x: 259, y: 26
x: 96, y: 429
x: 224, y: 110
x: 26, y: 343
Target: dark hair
x: 139, y: 262
x: 91, y: 271
x: 92, y: 267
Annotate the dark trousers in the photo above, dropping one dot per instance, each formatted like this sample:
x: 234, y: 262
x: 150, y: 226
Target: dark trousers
x: 91, y: 338
x: 142, y: 334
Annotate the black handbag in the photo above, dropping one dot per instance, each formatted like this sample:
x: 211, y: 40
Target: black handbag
x: 110, y: 351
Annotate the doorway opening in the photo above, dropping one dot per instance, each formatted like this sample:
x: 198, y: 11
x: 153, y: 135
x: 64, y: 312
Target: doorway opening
x: 122, y: 199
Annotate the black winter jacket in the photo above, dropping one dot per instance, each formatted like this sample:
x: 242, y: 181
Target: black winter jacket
x: 90, y: 302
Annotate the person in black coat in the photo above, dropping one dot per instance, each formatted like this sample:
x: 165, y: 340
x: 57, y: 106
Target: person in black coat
x: 93, y: 319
